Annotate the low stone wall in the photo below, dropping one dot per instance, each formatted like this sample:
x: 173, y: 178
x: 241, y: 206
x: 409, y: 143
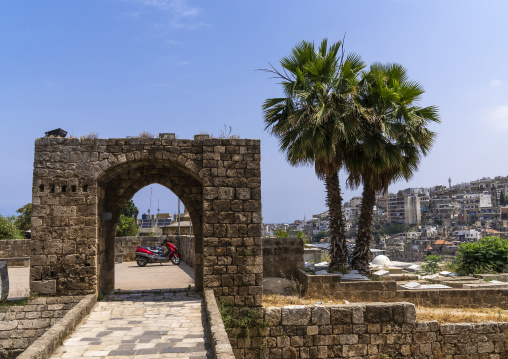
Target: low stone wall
x: 128, y: 245
x: 20, y: 326
x: 282, y: 257
x: 186, y: 247
x: 388, y: 291
x: 14, y: 248
x: 330, y: 285
x: 366, y: 331
x: 215, y: 328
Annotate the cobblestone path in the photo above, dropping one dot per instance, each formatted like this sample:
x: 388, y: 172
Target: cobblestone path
x: 141, y: 326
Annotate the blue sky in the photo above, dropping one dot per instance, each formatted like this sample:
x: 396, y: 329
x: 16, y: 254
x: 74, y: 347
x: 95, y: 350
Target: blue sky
x: 121, y: 67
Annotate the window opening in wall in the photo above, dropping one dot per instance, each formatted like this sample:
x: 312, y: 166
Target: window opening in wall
x: 52, y: 188
x: 73, y: 188
x: 41, y: 188
x: 64, y: 189
x: 85, y: 188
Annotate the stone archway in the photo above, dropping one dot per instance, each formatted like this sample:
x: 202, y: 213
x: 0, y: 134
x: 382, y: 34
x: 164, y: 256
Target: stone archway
x: 80, y: 187
x: 119, y: 183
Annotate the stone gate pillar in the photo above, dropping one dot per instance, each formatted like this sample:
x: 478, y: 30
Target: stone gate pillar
x: 81, y: 184
x: 232, y: 255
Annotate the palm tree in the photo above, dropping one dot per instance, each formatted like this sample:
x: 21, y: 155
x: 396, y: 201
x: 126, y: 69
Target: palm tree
x: 394, y: 138
x: 316, y: 120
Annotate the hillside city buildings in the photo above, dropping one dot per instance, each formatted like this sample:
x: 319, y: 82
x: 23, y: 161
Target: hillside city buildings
x: 434, y: 220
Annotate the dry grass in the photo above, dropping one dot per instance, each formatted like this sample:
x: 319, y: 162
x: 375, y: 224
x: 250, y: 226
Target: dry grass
x: 461, y: 315
x: 275, y: 300
x: 423, y: 314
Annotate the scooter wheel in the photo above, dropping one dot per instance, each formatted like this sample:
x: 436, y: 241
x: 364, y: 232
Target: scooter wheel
x: 176, y: 259
x: 141, y: 261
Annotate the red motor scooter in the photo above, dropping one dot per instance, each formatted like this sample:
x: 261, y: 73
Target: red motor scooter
x: 145, y: 255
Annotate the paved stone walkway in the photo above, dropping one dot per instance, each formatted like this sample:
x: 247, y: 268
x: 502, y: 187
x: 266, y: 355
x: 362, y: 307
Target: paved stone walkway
x: 141, y: 325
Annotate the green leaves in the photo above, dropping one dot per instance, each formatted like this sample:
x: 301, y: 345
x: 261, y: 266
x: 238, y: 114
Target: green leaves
x: 489, y: 255
x: 431, y: 264
x: 8, y: 229
x: 126, y: 227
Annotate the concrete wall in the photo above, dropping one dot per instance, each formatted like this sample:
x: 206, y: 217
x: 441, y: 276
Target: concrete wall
x: 282, y: 257
x: 366, y: 331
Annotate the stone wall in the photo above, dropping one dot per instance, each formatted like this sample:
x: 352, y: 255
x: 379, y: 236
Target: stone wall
x: 14, y: 248
x: 81, y: 186
x: 366, y: 331
x: 186, y: 246
x: 128, y: 245
x: 388, y: 291
x: 282, y: 257
x: 331, y: 286
x: 20, y: 326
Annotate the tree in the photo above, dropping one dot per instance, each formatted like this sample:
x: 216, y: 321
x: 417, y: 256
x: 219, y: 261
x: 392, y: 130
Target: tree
x: 8, y: 229
x: 393, y: 138
x: 130, y: 210
x: 24, y: 220
x: 302, y: 236
x: 488, y: 255
x: 281, y: 233
x: 315, y: 121
x: 431, y: 264
x: 126, y: 227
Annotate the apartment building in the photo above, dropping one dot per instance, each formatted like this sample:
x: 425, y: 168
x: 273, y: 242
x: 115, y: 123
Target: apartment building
x: 404, y: 210
x: 472, y: 203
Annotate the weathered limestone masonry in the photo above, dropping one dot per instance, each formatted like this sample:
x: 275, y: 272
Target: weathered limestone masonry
x: 366, y: 331
x: 81, y: 186
x: 15, y: 248
x: 20, y: 326
x: 282, y: 257
x: 387, y: 291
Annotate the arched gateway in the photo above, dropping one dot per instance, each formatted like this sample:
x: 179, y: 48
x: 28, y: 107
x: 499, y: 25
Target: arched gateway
x: 81, y: 185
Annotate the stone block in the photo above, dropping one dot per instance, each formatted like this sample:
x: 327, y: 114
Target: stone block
x: 296, y: 315
x: 320, y: 315
x: 44, y: 287
x: 376, y: 313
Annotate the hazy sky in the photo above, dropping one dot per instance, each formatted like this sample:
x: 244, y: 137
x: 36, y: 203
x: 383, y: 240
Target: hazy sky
x: 121, y: 67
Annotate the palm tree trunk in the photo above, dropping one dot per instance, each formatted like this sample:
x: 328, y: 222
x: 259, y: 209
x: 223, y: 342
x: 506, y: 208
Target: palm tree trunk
x: 361, y: 254
x: 338, y: 250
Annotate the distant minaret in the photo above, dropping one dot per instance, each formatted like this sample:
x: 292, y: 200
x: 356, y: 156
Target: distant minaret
x: 449, y: 183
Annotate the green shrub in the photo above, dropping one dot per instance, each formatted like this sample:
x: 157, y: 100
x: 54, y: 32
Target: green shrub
x: 126, y: 227
x: 431, y: 264
x: 489, y: 255
x: 8, y: 229
x: 281, y: 233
